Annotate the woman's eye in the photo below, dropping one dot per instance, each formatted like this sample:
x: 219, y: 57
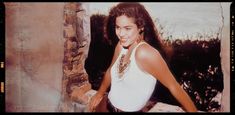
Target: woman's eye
x: 117, y: 27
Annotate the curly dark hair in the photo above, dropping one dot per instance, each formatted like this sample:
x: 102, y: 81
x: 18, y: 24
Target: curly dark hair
x: 142, y: 20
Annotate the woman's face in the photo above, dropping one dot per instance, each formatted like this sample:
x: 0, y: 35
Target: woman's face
x: 126, y: 30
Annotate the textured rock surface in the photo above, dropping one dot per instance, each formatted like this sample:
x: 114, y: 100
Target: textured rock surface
x: 77, y: 41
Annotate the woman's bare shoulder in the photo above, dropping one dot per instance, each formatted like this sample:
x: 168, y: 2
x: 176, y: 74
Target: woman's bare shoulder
x: 118, y: 47
x: 148, y: 59
x: 146, y: 52
x: 116, y: 53
x: 117, y: 50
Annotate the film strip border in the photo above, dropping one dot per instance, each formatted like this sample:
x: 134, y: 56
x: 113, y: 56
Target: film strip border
x: 232, y: 38
x: 2, y: 57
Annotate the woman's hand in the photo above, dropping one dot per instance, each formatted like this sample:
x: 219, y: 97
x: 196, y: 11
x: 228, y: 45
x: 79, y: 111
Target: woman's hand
x: 95, y: 100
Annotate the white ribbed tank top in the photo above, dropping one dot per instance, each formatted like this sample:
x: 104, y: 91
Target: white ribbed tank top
x: 132, y: 91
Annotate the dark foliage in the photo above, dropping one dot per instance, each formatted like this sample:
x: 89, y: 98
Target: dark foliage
x: 196, y: 66
x: 100, y: 51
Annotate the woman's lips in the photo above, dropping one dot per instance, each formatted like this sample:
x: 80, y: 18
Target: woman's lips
x: 123, y: 40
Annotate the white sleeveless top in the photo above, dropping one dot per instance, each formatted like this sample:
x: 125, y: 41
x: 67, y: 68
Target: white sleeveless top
x: 132, y: 91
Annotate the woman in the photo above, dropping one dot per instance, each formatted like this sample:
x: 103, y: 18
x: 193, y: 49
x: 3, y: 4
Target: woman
x: 137, y: 64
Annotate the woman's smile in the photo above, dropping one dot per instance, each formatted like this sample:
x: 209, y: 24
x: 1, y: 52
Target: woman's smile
x: 122, y: 40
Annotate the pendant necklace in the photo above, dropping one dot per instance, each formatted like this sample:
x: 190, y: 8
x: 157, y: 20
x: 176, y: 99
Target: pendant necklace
x: 123, y: 66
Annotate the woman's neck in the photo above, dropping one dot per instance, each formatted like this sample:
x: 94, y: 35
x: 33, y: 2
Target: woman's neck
x: 129, y: 50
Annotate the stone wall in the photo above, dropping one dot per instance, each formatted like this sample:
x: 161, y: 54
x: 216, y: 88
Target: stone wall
x: 75, y: 81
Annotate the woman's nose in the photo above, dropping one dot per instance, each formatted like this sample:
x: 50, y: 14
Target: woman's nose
x: 121, y: 32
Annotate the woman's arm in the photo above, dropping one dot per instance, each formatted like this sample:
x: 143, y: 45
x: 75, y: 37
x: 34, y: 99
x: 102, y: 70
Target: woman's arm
x: 151, y: 61
x: 107, y: 77
x: 105, y: 82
